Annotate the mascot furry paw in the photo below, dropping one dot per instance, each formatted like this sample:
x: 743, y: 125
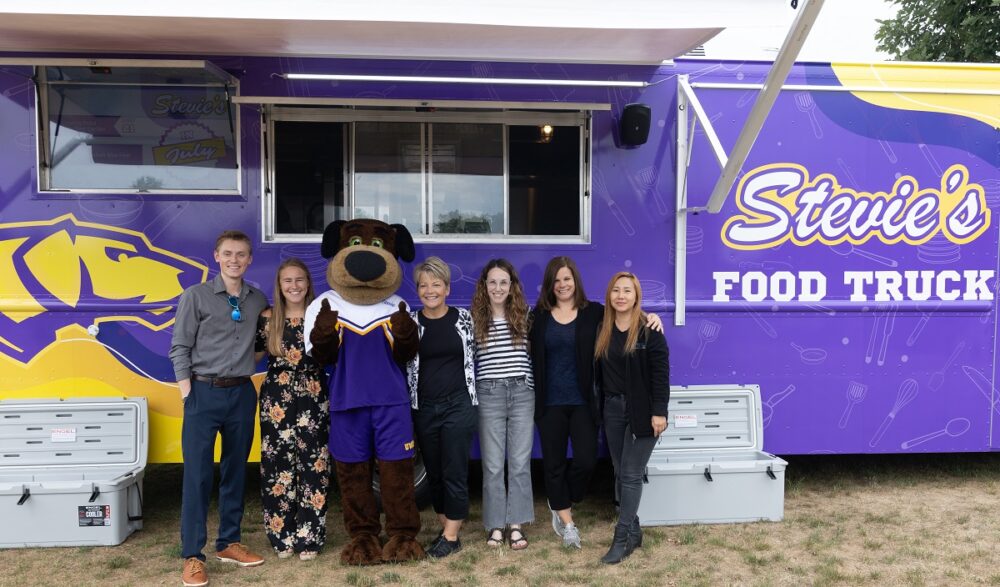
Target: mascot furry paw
x: 363, y: 328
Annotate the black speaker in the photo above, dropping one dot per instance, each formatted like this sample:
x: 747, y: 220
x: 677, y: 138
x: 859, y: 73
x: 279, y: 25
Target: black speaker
x: 635, y: 124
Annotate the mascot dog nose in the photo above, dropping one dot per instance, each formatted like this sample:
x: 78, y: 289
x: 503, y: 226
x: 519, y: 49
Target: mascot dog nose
x: 364, y: 265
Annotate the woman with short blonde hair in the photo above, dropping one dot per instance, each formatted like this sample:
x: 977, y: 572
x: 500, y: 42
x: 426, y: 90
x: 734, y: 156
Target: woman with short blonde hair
x: 442, y: 384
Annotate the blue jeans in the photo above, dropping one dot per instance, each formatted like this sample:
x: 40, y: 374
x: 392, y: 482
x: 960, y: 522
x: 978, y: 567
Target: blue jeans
x: 629, y: 454
x: 506, y: 426
x: 209, y: 411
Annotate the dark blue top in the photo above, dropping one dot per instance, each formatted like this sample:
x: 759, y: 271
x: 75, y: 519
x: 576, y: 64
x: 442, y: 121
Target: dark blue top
x: 560, y: 364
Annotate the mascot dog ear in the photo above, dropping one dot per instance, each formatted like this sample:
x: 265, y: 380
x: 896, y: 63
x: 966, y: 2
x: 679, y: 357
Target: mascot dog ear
x: 405, y: 249
x: 331, y: 239
x: 404, y: 243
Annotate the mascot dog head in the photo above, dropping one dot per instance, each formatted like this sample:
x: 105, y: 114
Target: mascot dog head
x: 363, y: 268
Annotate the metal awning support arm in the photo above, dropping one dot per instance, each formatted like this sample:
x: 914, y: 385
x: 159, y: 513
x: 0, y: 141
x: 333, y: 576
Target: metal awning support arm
x: 694, y: 104
x: 680, y: 213
x: 765, y: 100
x: 687, y: 103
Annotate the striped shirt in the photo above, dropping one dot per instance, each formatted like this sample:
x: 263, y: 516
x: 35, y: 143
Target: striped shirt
x: 499, y: 358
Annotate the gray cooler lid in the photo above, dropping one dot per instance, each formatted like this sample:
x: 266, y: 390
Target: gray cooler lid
x: 81, y: 433
x: 706, y: 418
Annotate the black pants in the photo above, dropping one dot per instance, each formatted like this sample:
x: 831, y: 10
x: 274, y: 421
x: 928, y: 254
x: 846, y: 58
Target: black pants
x: 630, y: 455
x: 444, y: 434
x: 566, y: 483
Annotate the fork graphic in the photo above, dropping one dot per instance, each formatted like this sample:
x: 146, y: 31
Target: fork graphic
x: 805, y: 103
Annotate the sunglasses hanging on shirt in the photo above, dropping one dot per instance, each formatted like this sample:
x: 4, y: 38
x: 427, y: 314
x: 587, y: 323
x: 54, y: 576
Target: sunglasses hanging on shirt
x: 236, y: 315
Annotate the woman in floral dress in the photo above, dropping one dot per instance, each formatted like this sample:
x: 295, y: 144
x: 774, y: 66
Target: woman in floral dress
x: 294, y: 422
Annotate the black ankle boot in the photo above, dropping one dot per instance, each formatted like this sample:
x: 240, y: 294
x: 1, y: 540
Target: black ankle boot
x: 619, y: 547
x: 634, y: 535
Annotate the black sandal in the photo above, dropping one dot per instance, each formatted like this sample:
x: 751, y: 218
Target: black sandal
x: 491, y: 537
x: 517, y: 541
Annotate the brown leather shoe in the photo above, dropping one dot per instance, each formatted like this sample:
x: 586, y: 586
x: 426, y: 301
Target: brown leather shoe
x: 194, y: 574
x: 237, y: 553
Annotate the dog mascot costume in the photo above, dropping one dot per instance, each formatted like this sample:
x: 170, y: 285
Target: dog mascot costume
x: 363, y: 328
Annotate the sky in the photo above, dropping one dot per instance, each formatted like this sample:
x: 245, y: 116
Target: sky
x: 844, y: 31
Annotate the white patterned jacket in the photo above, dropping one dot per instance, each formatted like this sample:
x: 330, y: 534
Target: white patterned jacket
x: 464, y: 327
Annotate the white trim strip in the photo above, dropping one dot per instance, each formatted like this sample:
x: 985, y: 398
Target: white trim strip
x: 877, y: 89
x: 382, y: 102
x: 466, y: 80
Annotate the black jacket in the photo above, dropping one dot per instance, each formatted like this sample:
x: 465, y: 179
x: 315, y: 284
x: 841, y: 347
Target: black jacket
x: 588, y: 319
x: 647, y: 381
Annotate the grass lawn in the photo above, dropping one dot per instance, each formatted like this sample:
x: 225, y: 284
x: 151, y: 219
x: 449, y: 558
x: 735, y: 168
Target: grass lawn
x: 849, y: 520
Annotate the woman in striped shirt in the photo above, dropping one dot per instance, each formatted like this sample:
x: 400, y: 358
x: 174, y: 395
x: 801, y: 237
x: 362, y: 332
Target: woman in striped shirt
x: 506, y: 395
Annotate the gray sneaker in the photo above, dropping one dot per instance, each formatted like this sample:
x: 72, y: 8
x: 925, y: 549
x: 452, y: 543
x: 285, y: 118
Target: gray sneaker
x: 557, y: 524
x: 571, y: 536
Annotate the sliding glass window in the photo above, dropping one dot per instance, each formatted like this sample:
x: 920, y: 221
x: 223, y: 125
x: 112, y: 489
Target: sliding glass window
x: 447, y: 176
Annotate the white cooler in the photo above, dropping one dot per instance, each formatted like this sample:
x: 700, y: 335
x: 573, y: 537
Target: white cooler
x: 708, y: 467
x: 71, y: 471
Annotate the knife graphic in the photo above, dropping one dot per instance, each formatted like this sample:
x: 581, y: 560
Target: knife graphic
x: 984, y: 385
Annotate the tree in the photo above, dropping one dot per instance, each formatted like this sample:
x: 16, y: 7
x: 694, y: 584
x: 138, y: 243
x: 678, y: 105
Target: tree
x: 942, y: 30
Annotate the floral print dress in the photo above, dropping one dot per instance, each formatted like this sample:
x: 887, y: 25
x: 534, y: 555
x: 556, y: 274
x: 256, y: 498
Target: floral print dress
x: 294, y: 430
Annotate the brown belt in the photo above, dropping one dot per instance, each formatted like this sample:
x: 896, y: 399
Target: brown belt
x: 222, y: 381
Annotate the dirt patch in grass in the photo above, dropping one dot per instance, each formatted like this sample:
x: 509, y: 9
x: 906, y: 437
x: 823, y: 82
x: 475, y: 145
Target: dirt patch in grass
x: 890, y: 520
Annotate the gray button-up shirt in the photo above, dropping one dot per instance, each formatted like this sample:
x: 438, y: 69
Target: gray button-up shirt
x: 206, y: 339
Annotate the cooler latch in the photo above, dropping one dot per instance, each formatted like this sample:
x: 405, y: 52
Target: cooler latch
x: 94, y: 494
x: 770, y: 473
x: 25, y: 494
x: 708, y: 474
x: 645, y: 476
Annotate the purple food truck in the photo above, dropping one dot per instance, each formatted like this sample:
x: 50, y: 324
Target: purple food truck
x: 845, y: 261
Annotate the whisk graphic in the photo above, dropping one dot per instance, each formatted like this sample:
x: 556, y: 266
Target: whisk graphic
x: 907, y: 391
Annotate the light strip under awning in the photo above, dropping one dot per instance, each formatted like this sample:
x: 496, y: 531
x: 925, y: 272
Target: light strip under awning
x: 404, y: 103
x: 466, y: 80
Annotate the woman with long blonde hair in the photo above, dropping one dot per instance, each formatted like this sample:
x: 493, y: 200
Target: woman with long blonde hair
x: 506, y: 394
x: 294, y: 422
x: 633, y: 380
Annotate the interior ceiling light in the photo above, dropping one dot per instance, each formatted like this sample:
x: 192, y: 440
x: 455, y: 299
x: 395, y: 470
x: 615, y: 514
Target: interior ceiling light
x: 546, y: 133
x: 465, y: 80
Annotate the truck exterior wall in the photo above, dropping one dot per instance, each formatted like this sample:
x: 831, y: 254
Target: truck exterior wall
x: 896, y: 355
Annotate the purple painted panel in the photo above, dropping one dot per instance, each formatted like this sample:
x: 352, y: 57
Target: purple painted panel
x: 775, y: 308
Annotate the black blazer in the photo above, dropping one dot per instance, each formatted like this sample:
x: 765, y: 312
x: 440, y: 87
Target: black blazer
x: 588, y: 320
x: 647, y: 381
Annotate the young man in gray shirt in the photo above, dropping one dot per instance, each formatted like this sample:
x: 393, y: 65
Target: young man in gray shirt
x: 212, y: 354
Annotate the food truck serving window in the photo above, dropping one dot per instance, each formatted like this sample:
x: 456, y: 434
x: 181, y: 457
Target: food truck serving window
x: 447, y: 175
x: 120, y: 126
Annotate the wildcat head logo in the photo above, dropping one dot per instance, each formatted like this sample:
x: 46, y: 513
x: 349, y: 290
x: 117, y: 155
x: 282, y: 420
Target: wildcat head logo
x: 58, y: 272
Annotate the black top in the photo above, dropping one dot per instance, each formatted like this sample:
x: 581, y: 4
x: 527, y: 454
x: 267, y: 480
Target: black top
x: 292, y: 342
x: 560, y: 360
x: 613, y: 366
x: 647, y: 381
x: 587, y: 320
x: 442, y: 356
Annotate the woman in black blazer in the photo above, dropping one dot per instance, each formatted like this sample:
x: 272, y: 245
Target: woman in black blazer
x: 633, y: 382
x: 563, y: 333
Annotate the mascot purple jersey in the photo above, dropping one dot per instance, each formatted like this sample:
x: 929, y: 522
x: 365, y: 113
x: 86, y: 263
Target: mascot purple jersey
x: 365, y: 348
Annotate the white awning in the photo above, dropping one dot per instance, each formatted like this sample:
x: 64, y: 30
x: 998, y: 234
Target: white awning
x: 638, y: 31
